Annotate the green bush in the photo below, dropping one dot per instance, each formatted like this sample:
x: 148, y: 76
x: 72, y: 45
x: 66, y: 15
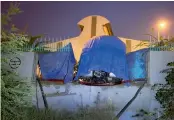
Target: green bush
x: 165, y: 94
x: 15, y: 92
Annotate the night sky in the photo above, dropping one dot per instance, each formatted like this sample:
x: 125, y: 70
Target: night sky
x: 128, y: 19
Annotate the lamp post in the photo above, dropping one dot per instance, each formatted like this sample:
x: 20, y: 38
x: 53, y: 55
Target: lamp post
x: 158, y: 35
x: 160, y: 26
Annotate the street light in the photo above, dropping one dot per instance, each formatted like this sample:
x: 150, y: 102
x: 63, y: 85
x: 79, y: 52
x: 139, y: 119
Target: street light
x: 161, y: 25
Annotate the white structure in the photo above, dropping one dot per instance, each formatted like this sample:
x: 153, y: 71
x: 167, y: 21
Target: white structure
x: 157, y: 62
x: 86, y: 95
x: 24, y: 64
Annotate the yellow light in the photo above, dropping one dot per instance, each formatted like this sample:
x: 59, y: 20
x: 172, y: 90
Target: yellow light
x: 162, y: 25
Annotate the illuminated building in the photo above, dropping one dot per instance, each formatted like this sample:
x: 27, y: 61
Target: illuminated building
x: 91, y: 27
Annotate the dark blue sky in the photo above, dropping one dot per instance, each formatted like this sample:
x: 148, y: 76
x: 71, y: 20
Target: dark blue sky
x: 128, y: 19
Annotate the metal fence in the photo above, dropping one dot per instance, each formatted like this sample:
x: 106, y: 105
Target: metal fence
x: 47, y: 44
x: 162, y: 48
x: 51, y: 44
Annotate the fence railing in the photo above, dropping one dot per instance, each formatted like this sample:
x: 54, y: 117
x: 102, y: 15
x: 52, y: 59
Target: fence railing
x: 162, y: 48
x: 47, y: 45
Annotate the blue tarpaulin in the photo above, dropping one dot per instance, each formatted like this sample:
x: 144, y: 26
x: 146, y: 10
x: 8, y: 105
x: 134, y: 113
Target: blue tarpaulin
x: 107, y: 53
x: 137, y: 64
x: 58, y: 65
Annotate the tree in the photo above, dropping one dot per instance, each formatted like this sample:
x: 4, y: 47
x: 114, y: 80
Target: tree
x: 165, y: 94
x: 15, y: 91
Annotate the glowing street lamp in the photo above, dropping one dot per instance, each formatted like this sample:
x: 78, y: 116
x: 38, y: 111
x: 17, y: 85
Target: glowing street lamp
x: 161, y: 26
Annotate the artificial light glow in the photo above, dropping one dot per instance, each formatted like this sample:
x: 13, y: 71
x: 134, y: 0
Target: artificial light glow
x: 162, y: 24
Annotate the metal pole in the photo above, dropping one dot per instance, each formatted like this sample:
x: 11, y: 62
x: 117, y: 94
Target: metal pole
x: 168, y: 37
x: 129, y: 103
x: 43, y: 94
x: 158, y: 35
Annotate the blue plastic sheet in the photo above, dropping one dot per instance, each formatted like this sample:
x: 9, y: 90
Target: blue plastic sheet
x: 137, y: 64
x: 107, y: 53
x: 58, y: 65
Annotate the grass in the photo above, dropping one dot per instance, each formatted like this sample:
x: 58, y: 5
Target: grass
x: 100, y: 111
x: 86, y: 113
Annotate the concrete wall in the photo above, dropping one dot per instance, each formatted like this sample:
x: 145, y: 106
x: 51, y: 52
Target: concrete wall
x: 157, y: 62
x: 27, y: 66
x: 72, y: 96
